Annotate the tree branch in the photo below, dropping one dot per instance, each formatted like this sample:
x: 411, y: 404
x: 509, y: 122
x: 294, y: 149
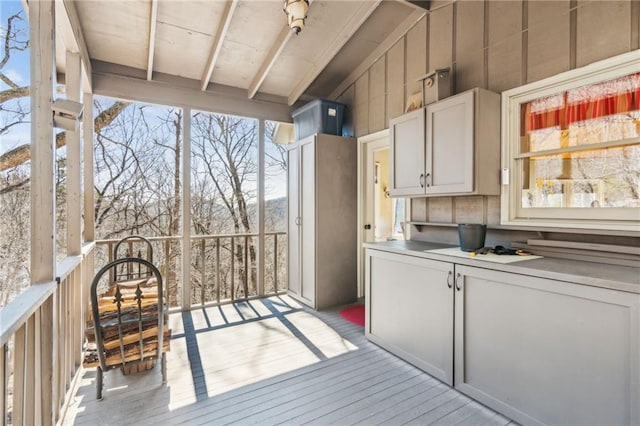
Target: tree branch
x: 22, y: 153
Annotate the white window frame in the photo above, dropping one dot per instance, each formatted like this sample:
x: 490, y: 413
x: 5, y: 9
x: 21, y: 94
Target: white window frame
x: 512, y: 214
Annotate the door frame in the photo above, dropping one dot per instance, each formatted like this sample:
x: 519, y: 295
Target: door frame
x: 365, y: 196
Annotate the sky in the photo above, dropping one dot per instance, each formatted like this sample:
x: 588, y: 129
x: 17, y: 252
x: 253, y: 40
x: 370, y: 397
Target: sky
x: 16, y: 69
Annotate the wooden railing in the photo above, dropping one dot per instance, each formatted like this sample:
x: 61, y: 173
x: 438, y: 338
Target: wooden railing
x: 42, y: 329
x: 41, y: 336
x: 223, y: 267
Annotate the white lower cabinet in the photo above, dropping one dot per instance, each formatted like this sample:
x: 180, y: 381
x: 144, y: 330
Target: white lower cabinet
x: 547, y: 352
x: 539, y: 351
x: 410, y: 310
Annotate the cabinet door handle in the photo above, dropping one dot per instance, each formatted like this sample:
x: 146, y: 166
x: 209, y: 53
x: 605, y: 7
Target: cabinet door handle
x: 449, y: 276
x: 458, y: 277
x: 298, y: 221
x: 421, y: 180
x: 428, y: 180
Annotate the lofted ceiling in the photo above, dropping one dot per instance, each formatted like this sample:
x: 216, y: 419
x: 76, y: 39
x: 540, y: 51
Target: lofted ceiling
x: 241, y: 44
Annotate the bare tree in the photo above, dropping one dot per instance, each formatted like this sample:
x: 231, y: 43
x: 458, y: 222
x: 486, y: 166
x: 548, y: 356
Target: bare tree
x: 224, y: 151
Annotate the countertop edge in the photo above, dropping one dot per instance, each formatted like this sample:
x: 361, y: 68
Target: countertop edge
x: 622, y: 277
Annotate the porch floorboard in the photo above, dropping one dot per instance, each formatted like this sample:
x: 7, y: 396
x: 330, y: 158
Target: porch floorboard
x: 272, y: 361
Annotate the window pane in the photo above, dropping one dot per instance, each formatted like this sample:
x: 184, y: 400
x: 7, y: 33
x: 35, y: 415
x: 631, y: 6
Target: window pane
x: 224, y: 159
x: 595, y: 178
x: 137, y: 181
x: 603, y: 112
x: 277, y: 137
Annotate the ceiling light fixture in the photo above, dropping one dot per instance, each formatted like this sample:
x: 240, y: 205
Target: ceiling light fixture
x: 296, y: 11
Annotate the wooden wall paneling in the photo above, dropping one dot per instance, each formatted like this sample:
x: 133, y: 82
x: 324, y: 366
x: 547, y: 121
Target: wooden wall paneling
x: 441, y: 38
x: 603, y: 30
x: 504, y: 20
x: 377, y: 97
x: 548, y: 39
x: 415, y: 58
x: 395, y: 81
x: 505, y: 45
x: 635, y: 25
x: 362, y: 105
x: 493, y: 209
x: 440, y: 210
x: 469, y: 45
x: 349, y: 99
x: 469, y: 209
x: 419, y: 209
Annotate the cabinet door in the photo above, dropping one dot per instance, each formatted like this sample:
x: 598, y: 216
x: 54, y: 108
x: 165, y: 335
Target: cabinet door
x: 406, y: 152
x: 293, y: 213
x: 450, y: 133
x: 544, y: 351
x: 409, y: 304
x: 307, y: 220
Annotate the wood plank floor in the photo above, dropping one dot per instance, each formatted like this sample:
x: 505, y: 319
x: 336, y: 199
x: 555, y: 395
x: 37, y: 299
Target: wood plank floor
x: 272, y: 361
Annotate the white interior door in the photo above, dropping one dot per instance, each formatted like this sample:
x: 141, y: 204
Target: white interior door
x: 367, y: 146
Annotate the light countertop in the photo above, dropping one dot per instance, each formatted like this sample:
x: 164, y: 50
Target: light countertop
x: 624, y: 278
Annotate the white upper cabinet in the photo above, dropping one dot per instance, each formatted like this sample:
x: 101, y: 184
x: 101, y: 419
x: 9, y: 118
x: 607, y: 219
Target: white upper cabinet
x: 459, y: 146
x: 407, y: 153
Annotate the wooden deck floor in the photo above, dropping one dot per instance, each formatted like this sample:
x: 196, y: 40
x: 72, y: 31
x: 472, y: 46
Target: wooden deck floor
x: 269, y: 362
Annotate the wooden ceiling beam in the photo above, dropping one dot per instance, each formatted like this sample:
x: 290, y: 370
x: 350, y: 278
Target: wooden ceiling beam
x: 276, y: 49
x: 348, y: 30
x: 223, y: 28
x: 271, y: 58
x: 388, y: 42
x: 152, y: 38
x: 71, y: 14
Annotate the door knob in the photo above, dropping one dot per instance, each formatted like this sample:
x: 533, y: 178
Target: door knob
x: 367, y: 226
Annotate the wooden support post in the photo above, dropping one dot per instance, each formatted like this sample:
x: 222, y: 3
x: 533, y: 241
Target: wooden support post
x: 43, y: 258
x: 74, y: 162
x: 186, y: 211
x: 43, y: 255
x: 261, y: 191
x: 87, y: 151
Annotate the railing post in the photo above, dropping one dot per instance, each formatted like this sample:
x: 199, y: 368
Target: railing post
x: 218, y: 269
x: 247, y: 274
x: 19, y: 371
x: 203, y: 265
x: 275, y: 262
x: 233, y: 269
x: 3, y: 384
